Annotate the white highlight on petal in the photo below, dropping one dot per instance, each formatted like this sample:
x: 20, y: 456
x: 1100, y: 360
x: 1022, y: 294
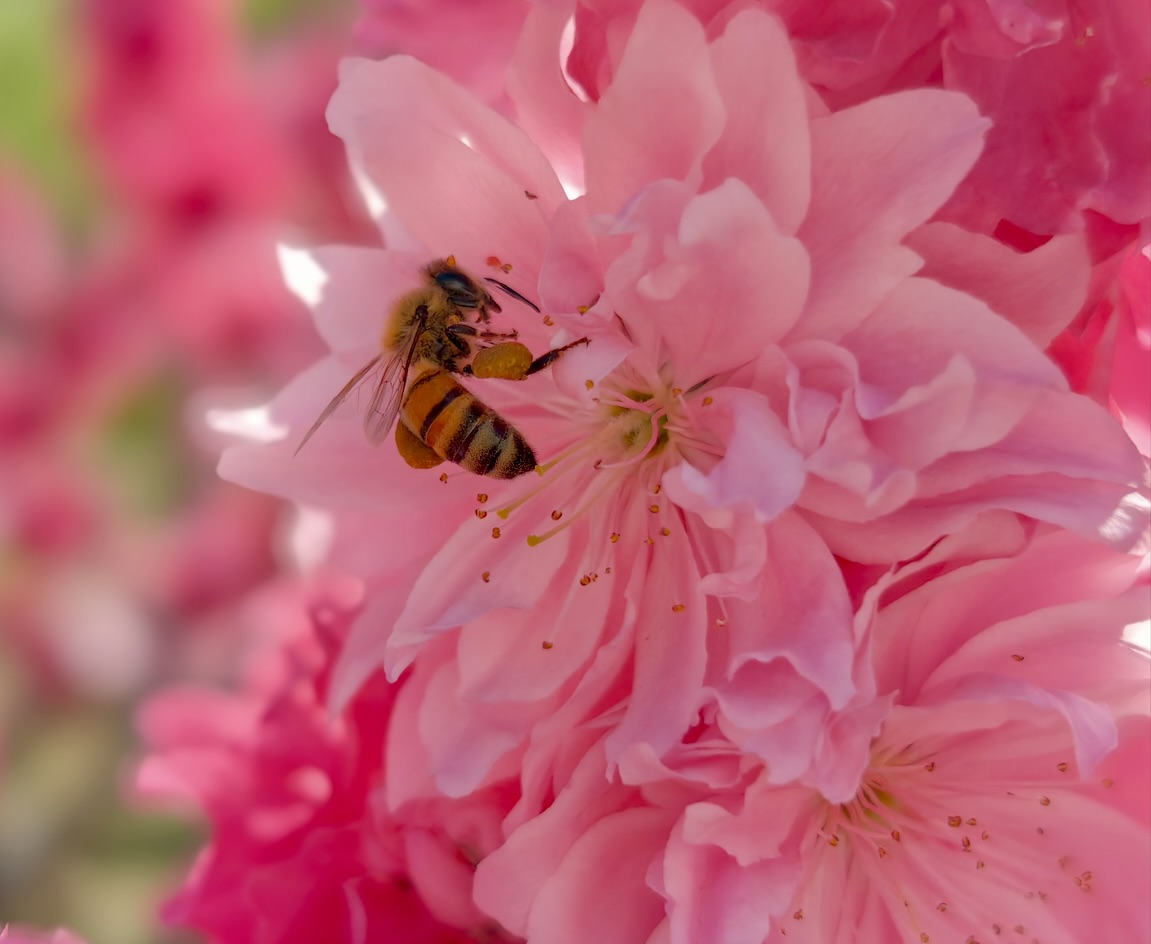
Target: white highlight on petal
x: 466, y: 141
x: 373, y: 199
x: 254, y: 423
x: 303, y: 275
x: 567, y: 41
x: 308, y: 538
x: 1138, y: 635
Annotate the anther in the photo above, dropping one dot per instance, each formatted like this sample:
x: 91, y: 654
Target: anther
x: 481, y: 514
x: 1061, y: 767
x: 486, y: 576
x: 444, y: 477
x: 547, y: 645
x: 583, y: 309
x: 678, y: 608
x: 482, y: 497
x: 495, y: 532
x: 615, y: 537
x: 1108, y: 782
x: 584, y: 580
x: 493, y: 261
x: 954, y: 821
x: 930, y: 766
x: 1045, y: 801
x: 656, y: 489
x: 589, y: 384
x: 548, y: 320
x: 676, y: 391
x: 708, y: 401
x: 654, y: 509
x: 556, y: 515
x: 666, y: 532
x: 1017, y: 658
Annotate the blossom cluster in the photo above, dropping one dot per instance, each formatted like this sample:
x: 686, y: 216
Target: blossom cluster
x: 823, y: 616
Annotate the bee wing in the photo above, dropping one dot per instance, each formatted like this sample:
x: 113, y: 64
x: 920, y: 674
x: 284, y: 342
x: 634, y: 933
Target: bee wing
x: 357, y: 379
x: 388, y: 395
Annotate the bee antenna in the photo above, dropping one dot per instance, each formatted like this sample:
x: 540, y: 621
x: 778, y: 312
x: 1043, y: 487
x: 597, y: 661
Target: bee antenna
x: 513, y: 293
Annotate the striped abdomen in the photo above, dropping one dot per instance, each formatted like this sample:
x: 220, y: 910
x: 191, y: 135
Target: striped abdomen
x: 459, y: 427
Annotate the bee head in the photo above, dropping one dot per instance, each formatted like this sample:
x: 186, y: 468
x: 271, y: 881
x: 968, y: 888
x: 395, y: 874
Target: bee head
x: 461, y: 289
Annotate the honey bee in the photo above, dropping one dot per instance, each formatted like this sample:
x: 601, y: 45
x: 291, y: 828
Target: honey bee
x: 435, y: 333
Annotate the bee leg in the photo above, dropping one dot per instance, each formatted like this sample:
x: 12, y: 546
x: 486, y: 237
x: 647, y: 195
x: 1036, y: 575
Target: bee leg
x: 498, y: 335
x: 550, y: 357
x: 415, y: 452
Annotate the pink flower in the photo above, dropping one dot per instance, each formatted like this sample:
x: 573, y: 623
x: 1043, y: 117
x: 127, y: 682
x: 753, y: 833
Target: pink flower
x: 302, y: 850
x: 1002, y: 793
x: 751, y: 306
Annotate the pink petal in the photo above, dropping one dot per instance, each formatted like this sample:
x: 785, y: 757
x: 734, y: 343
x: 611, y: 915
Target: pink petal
x: 878, y: 170
x: 661, y: 113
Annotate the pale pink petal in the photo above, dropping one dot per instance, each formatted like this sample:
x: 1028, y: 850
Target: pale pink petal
x: 899, y: 157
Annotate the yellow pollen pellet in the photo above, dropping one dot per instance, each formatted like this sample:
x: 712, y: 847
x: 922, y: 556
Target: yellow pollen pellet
x: 954, y: 821
x: 546, y: 645
x: 584, y: 580
x: 482, y: 497
x: 444, y: 477
x: 548, y: 320
x: 556, y: 515
x: 666, y: 532
x: 708, y: 401
x: 1061, y: 767
x: 615, y: 537
x: 678, y: 608
x: 654, y: 509
x: 583, y: 309
x: 1017, y: 658
x: 481, y: 514
x: 486, y: 576
x: 495, y: 532
x: 1044, y: 801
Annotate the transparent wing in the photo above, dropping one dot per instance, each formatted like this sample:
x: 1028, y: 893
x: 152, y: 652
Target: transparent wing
x: 388, y: 394
x: 359, y: 377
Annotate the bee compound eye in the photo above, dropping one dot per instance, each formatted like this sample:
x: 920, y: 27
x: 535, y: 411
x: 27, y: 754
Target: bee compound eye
x: 460, y: 288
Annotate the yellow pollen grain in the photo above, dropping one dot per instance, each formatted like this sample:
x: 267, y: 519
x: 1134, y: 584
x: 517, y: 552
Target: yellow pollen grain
x: 654, y: 509
x: 954, y: 821
x: 486, y: 576
x: 1017, y: 658
x: 548, y: 320
x: 1044, y: 801
x: 547, y: 645
x: 1061, y: 767
x: 666, y: 532
x: 481, y: 514
x: 556, y: 515
x: 495, y: 532
x: 708, y: 401
x: 678, y: 608
x: 615, y: 537
x: 482, y: 497
x: 444, y: 477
